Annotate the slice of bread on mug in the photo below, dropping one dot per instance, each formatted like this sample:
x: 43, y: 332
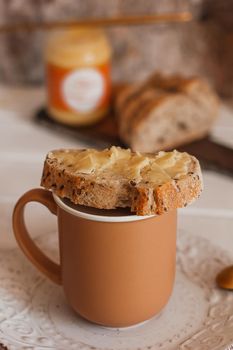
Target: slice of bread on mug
x: 165, y: 112
x: 146, y: 183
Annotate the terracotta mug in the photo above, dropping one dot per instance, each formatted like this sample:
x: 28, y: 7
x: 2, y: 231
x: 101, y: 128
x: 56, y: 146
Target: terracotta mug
x: 116, y: 270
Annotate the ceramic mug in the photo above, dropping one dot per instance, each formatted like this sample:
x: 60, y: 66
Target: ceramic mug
x: 116, y: 269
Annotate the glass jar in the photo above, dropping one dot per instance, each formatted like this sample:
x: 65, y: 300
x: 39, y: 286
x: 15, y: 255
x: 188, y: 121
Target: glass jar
x: 78, y: 75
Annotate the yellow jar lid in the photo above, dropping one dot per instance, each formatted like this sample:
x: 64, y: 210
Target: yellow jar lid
x: 77, y: 47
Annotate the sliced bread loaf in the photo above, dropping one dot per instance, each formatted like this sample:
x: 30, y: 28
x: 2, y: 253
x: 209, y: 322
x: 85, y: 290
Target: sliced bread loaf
x: 146, y: 183
x: 163, y: 113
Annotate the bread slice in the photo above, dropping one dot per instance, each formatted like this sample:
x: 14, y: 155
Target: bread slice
x: 146, y: 183
x: 165, y: 112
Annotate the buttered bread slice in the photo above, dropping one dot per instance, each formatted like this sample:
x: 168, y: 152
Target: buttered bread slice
x: 146, y: 183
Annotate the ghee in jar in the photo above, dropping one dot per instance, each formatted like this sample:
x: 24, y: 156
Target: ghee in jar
x: 78, y: 75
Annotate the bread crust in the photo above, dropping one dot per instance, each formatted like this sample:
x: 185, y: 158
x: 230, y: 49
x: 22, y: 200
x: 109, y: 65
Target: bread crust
x: 141, y: 198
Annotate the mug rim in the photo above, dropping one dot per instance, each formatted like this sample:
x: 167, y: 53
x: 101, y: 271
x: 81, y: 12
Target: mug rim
x: 102, y: 218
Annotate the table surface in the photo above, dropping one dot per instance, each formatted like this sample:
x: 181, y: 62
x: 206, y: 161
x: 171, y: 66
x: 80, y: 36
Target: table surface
x: 23, y: 146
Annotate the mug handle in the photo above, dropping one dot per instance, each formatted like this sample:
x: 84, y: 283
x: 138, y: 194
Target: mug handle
x: 33, y: 253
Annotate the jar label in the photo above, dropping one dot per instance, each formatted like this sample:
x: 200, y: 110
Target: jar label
x: 83, y: 89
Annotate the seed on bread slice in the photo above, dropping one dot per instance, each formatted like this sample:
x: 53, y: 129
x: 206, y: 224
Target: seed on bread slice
x: 146, y: 183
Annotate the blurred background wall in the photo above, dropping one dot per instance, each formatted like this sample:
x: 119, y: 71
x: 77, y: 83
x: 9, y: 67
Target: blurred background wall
x: 203, y: 47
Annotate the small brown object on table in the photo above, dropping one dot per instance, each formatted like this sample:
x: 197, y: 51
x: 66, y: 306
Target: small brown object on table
x: 224, y: 279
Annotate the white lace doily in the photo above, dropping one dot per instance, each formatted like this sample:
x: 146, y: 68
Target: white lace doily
x: 34, y: 313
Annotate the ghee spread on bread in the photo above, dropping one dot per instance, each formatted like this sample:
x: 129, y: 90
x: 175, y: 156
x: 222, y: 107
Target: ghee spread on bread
x: 124, y: 163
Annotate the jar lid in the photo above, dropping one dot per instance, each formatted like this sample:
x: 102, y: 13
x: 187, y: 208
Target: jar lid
x: 77, y: 47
